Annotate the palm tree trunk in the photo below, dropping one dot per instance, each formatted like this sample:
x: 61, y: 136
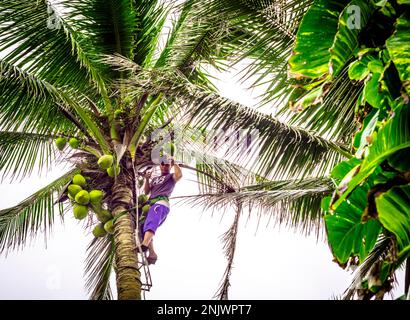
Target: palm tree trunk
x: 127, y: 274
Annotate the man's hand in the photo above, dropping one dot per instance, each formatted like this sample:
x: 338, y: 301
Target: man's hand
x: 147, y: 174
x: 171, y: 160
x: 177, y: 170
x: 147, y: 187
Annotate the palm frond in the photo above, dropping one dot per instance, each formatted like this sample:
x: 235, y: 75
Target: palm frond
x: 34, y: 214
x: 21, y: 152
x: 177, y: 25
x: 30, y: 104
x: 295, y: 204
x: 333, y: 118
x: 46, y: 42
x: 43, y: 108
x: 263, y: 31
x: 151, y: 17
x: 193, y: 40
x: 115, y: 24
x: 283, y: 151
x: 98, y: 268
x: 229, y: 240
x: 380, y: 251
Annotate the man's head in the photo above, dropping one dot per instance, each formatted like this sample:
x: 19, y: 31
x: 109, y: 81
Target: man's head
x: 165, y: 165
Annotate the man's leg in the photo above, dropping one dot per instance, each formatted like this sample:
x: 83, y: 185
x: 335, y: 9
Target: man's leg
x: 147, y: 238
x: 152, y: 256
x: 155, y: 217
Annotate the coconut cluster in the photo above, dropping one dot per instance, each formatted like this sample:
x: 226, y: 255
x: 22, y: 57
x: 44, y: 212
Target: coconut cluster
x: 106, y: 162
x: 143, y: 206
x: 86, y: 201
x: 61, y: 143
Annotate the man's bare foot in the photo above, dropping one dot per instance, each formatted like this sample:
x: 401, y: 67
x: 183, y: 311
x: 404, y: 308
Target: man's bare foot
x: 151, y: 259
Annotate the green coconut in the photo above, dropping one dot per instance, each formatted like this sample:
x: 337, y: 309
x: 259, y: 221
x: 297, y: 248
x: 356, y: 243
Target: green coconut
x: 109, y: 226
x: 73, y: 142
x: 79, y: 180
x: 61, y: 143
x: 80, y: 211
x: 99, y: 230
x: 145, y: 208
x: 96, y: 196
x: 105, y: 161
x: 110, y: 171
x: 83, y: 197
x: 142, y: 198
x: 73, y: 189
x: 171, y: 148
x: 103, y: 215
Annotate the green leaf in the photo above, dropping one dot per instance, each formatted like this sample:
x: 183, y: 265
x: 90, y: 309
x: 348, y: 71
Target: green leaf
x: 383, y: 177
x: 400, y: 160
x: 325, y: 203
x: 393, y: 208
x: 343, y: 168
x: 393, y: 137
x: 358, y: 70
x: 352, y: 21
x: 375, y: 97
x: 369, y: 125
x: 42, y: 107
x: 311, y: 51
x: 56, y: 52
x: 375, y: 66
x: 347, y: 234
x: 311, y: 98
x: 150, y: 19
x: 335, y: 116
x: 399, y: 48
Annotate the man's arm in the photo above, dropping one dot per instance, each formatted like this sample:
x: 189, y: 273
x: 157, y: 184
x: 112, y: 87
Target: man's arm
x: 177, y: 171
x: 147, y: 188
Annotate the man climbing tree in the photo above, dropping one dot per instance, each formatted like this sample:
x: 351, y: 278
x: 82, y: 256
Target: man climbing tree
x: 160, y: 189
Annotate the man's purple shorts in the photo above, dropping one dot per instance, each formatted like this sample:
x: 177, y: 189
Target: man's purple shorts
x: 155, y: 217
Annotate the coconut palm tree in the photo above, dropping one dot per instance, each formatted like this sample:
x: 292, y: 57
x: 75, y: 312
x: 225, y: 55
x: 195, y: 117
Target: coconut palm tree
x: 99, y: 75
